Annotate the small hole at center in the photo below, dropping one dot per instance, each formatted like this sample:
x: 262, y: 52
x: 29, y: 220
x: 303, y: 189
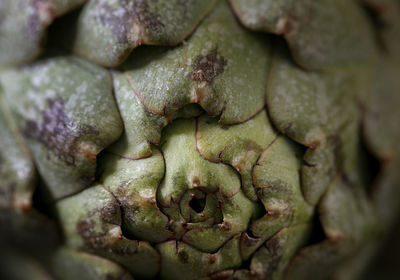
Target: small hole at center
x: 198, y: 204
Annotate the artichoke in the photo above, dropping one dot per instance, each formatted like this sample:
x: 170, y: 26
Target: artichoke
x: 197, y: 139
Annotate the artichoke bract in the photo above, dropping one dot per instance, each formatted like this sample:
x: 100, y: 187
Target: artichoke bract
x: 198, y: 139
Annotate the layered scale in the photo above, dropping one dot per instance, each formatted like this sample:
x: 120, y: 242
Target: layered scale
x: 215, y: 152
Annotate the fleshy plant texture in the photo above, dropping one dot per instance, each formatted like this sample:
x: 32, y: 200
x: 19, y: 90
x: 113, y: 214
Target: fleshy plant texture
x: 198, y: 139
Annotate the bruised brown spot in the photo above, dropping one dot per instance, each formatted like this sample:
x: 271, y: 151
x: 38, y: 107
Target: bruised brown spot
x: 124, y: 202
x: 247, y: 240
x: 92, y: 239
x: 211, y: 259
x: 275, y: 250
x: 287, y: 25
x: 109, y: 213
x: 124, y: 249
x: 280, y: 187
x: 58, y: 133
x: 195, y: 182
x: 226, y: 226
x: 251, y: 152
x: 120, y: 23
x: 141, y: 12
x: 206, y: 68
x: 36, y: 19
x: 314, y: 145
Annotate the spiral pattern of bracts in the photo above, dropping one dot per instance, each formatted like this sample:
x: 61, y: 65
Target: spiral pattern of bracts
x: 234, y: 154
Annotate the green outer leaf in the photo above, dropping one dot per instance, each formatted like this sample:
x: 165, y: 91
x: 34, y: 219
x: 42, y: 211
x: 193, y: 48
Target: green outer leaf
x: 16, y: 167
x: 53, y: 102
x: 262, y: 15
x: 134, y: 184
x: 321, y: 34
x: 276, y: 177
x: 67, y: 264
x: 316, y: 104
x: 349, y: 223
x: 23, y: 26
x: 271, y: 260
x: 141, y: 126
x: 209, y: 69
x: 381, y: 103
x: 238, y: 145
x: 381, y: 129
x: 180, y: 261
x: 387, y: 14
x: 319, y: 110
x: 187, y: 170
x: 106, y: 31
x: 91, y: 221
x: 386, y: 194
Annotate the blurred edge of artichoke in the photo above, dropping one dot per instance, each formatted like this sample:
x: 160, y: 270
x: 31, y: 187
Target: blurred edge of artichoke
x: 217, y: 150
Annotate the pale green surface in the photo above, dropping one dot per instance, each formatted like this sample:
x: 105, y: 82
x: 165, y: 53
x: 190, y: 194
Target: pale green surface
x: 263, y: 15
x: 382, y: 113
x: 19, y: 38
x: 91, y: 221
x: 348, y: 222
x: 271, y: 260
x: 186, y: 170
x: 256, y: 189
x: 23, y: 26
x: 16, y: 167
x: 209, y: 69
x: 276, y: 177
x: 106, y: 31
x: 67, y: 264
x: 313, y: 105
x: 180, y: 261
x: 321, y: 34
x: 316, y: 109
x: 66, y: 111
x: 239, y: 145
x: 134, y: 184
x: 141, y: 126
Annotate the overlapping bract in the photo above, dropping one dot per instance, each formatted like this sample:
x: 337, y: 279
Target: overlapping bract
x: 230, y: 150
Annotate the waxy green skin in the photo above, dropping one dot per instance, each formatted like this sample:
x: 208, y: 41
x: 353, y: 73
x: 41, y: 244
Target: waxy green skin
x: 23, y: 24
x: 17, y: 172
x: 106, y: 31
x: 65, y: 107
x: 321, y: 34
x: 213, y: 159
